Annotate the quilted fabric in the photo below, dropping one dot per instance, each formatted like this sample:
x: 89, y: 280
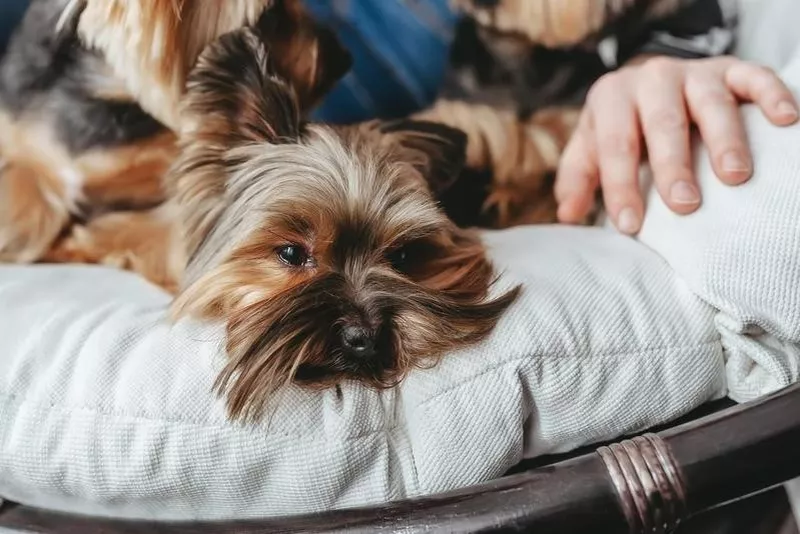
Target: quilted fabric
x: 739, y: 251
x: 105, y: 409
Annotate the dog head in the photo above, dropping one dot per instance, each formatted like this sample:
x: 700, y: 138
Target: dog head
x: 322, y: 248
x: 153, y: 44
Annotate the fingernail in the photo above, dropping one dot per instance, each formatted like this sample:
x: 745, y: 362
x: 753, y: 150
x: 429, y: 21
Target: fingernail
x: 733, y: 162
x: 628, y: 221
x: 684, y: 193
x: 786, y: 110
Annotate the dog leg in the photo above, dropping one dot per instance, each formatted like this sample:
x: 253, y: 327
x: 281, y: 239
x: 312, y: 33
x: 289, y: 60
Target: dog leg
x: 130, y: 176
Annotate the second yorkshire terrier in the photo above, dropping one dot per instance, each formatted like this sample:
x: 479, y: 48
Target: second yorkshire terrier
x: 519, y: 73
x: 322, y: 249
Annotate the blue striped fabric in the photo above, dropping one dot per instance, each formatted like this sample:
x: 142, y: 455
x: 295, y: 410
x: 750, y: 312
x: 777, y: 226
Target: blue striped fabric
x: 400, y: 51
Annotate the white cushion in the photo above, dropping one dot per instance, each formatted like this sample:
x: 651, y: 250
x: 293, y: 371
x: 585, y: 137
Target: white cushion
x: 740, y: 251
x: 769, y: 35
x: 104, y: 409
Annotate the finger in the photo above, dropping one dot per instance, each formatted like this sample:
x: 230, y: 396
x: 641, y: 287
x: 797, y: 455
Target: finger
x: 763, y: 87
x: 577, y: 175
x: 665, y: 127
x: 616, y: 130
x: 716, y: 112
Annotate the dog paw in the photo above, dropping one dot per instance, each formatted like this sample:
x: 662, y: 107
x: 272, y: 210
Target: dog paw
x: 31, y: 216
x: 132, y: 241
x: 25, y: 238
x: 511, y: 205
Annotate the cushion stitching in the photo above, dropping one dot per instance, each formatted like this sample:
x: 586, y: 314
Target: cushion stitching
x: 492, y: 368
x: 327, y: 437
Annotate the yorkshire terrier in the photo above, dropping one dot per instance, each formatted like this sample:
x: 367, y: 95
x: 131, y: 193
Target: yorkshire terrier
x: 519, y: 74
x: 322, y: 249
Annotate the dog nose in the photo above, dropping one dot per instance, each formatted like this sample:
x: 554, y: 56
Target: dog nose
x: 358, y: 341
x: 486, y: 3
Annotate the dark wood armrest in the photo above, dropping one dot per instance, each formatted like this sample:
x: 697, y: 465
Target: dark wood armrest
x: 648, y: 483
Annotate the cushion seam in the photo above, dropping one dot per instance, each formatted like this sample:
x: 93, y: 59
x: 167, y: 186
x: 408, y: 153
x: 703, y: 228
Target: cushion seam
x: 540, y: 357
x: 327, y: 437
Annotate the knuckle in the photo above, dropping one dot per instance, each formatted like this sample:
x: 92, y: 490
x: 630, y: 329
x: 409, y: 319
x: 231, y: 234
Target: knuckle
x: 606, y: 83
x: 763, y: 79
x: 705, y: 99
x: 569, y: 155
x: 577, y: 144
x: 666, y: 119
x: 618, y: 195
x: 724, y: 61
x: 661, y: 161
x: 660, y: 67
x: 619, y: 144
x: 768, y: 73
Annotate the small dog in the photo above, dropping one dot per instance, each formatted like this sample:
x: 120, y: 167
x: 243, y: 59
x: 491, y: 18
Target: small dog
x: 519, y: 73
x: 321, y: 248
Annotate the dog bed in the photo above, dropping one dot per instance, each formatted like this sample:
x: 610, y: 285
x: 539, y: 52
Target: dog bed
x: 105, y: 409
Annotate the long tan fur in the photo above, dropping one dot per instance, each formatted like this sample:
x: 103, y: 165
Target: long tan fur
x: 152, y: 44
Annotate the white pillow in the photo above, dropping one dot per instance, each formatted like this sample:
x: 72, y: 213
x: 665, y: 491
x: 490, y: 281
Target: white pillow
x: 106, y: 410
x: 740, y: 251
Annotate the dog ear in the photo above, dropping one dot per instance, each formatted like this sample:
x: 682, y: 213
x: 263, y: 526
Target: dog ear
x: 437, y: 151
x: 306, y: 53
x: 233, y: 98
x: 234, y: 95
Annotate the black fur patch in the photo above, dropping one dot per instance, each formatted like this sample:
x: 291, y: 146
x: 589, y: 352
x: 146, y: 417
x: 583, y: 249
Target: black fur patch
x: 444, y: 149
x: 532, y: 79
x: 236, y: 78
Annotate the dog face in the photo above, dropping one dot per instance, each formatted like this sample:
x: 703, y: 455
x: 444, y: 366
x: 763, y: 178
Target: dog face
x: 509, y: 69
x: 322, y: 249
x: 83, y: 109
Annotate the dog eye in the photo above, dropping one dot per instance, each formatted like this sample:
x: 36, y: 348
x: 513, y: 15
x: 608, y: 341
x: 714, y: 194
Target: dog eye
x: 293, y: 255
x: 398, y: 258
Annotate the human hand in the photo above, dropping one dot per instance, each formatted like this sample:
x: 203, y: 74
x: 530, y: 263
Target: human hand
x: 651, y: 106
